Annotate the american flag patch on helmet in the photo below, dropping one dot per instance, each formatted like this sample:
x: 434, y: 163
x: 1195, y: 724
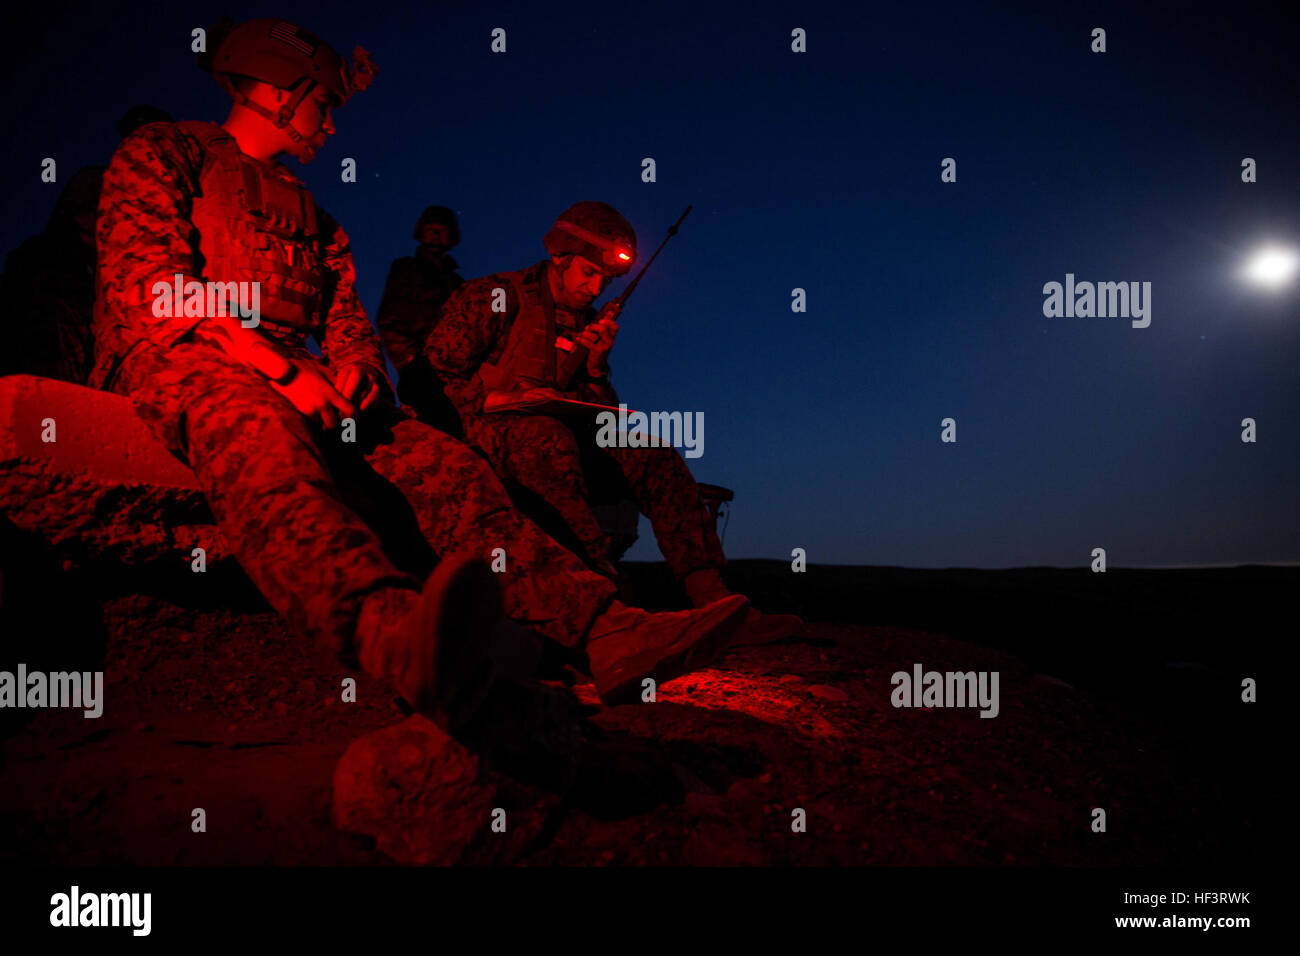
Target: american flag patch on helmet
x: 296, y: 37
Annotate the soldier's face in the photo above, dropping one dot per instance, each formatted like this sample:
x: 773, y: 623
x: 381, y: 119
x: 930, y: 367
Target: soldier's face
x: 313, y: 123
x: 580, y: 282
x: 437, y: 235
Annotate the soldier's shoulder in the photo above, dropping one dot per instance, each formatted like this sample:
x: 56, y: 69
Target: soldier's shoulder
x: 176, y: 131
x: 507, y: 279
x: 172, y: 140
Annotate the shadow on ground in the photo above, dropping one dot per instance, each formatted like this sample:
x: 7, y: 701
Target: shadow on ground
x: 1119, y: 692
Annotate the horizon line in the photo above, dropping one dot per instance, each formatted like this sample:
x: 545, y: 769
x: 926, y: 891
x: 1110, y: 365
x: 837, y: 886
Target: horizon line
x: 1025, y: 567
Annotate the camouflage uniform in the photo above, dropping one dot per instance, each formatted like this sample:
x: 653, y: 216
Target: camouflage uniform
x: 476, y: 350
x: 413, y: 296
x: 288, y: 496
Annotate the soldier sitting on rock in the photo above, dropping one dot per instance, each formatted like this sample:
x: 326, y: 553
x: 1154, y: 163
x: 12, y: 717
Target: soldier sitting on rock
x: 481, y: 350
x: 264, y: 424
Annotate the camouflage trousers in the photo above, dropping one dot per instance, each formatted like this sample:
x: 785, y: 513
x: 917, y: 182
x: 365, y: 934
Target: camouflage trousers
x: 321, y: 525
x: 555, y: 459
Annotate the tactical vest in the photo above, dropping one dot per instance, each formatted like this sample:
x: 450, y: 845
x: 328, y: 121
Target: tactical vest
x: 528, y: 358
x: 255, y: 226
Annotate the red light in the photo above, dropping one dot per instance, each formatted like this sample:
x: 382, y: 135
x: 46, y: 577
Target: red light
x: 624, y: 256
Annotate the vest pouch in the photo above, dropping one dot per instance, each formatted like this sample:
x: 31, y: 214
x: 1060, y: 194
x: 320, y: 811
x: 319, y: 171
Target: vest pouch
x: 284, y: 207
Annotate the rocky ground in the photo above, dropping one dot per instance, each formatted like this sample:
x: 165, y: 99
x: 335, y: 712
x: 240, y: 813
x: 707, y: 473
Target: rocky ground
x: 215, y: 707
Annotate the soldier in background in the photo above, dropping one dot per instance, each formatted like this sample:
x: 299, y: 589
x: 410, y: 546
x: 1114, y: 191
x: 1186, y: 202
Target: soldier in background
x: 257, y: 416
x: 47, y: 293
x: 417, y: 287
x: 479, y: 350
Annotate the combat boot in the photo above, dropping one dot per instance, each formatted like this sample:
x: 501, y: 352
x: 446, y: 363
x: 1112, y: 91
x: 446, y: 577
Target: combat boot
x: 438, y: 655
x: 706, y: 586
x: 627, y: 645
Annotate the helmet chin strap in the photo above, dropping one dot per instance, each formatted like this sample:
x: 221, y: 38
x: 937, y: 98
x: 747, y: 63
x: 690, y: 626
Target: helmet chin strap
x: 283, y: 118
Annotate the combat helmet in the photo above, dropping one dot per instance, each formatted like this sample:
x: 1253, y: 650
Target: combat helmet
x: 597, y: 232
x: 282, y: 54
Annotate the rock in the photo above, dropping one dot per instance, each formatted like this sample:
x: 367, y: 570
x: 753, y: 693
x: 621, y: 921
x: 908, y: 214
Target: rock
x: 427, y: 799
x: 422, y: 796
x: 105, y: 491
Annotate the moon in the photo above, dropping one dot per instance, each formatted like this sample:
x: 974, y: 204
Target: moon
x: 1272, y: 267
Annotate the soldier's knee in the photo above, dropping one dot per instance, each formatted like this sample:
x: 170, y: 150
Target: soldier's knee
x: 671, y: 458
x: 652, y: 460
x: 537, y: 435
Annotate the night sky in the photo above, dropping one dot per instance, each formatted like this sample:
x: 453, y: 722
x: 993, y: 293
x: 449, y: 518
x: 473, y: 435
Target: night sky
x: 822, y: 171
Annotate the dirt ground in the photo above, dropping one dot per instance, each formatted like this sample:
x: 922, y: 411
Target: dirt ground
x: 218, y: 708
